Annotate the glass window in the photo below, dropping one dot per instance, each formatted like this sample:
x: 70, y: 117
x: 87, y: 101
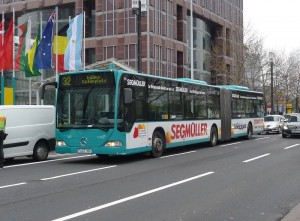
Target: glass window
x: 157, y: 99
x: 213, y: 103
x: 86, y: 106
x: 175, y: 103
x: 189, y: 106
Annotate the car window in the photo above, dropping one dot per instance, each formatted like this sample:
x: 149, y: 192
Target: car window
x: 293, y: 119
x: 269, y: 118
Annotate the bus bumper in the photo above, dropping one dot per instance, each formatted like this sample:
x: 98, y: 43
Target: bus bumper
x: 98, y: 150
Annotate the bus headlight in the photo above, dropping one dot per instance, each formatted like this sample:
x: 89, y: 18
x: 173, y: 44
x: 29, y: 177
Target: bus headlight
x: 60, y: 143
x: 114, y: 143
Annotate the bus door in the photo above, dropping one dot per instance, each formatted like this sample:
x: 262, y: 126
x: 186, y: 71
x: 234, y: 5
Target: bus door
x: 136, y: 126
x: 225, y: 103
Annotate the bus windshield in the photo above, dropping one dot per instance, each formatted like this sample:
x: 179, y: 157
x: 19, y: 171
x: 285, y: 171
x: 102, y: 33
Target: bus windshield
x: 86, y: 106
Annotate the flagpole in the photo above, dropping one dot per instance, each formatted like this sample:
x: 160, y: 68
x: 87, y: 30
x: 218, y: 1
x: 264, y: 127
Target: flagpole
x: 67, y: 34
x: 14, y: 65
x: 84, y: 40
x: 26, y: 51
x: 2, y: 75
x: 56, y: 55
x: 41, y: 35
x: 191, y: 39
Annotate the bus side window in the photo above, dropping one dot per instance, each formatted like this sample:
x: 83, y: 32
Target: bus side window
x: 152, y: 115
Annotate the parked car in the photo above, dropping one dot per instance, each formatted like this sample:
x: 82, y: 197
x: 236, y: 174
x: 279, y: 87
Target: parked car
x: 273, y: 123
x: 287, y: 116
x: 292, y: 126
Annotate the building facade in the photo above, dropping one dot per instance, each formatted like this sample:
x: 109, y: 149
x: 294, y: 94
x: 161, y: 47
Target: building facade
x: 111, y: 32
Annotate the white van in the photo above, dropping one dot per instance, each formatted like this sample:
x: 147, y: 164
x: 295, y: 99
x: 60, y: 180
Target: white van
x: 30, y: 129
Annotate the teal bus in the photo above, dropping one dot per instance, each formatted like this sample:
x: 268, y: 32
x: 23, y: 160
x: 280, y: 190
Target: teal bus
x: 116, y: 112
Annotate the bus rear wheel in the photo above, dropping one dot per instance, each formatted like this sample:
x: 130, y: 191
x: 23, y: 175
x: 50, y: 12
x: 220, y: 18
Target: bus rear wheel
x: 158, y: 144
x: 213, y: 136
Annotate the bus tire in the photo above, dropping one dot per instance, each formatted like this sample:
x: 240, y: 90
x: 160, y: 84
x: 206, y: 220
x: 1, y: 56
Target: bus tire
x: 158, y: 144
x: 213, y: 136
x: 40, y: 151
x: 249, y: 132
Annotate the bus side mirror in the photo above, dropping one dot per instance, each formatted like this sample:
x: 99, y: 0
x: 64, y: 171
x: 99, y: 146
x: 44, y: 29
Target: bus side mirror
x: 43, y: 87
x: 127, y: 95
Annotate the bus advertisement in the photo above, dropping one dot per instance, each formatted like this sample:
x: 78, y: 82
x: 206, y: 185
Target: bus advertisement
x: 115, y: 112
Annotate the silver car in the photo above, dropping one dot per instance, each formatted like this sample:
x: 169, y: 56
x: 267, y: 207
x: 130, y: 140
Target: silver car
x: 292, y: 126
x: 273, y: 123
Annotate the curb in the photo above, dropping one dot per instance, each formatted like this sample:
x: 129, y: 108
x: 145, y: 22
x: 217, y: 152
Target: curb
x: 293, y: 215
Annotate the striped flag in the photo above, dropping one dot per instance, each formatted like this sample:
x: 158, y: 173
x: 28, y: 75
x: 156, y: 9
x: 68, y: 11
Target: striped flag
x: 24, y: 45
x: 59, y: 51
x: 75, y: 36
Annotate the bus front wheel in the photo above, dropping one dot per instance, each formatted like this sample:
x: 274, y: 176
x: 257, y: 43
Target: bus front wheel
x: 213, y: 136
x: 158, y: 144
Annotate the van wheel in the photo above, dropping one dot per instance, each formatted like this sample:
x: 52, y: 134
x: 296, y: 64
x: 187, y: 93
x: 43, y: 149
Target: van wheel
x: 40, y: 151
x: 213, y: 137
x: 158, y: 144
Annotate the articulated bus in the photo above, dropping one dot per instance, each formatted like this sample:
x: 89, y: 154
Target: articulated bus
x: 115, y: 112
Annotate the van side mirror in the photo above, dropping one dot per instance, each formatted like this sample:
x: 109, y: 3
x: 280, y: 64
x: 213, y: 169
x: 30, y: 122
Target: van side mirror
x: 127, y: 95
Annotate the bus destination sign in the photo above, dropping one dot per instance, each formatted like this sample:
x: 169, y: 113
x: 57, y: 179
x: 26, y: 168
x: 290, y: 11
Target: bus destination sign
x: 90, y: 79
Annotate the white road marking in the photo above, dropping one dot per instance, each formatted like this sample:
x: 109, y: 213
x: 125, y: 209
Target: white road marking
x: 11, y: 185
x: 130, y: 198
x: 71, y: 174
x: 292, y: 146
x: 174, y: 155
x: 224, y: 145
x: 47, y: 161
x: 262, y: 138
x: 255, y: 158
x: 56, y: 177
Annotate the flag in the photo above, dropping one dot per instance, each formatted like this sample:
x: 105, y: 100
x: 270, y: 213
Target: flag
x: 43, y: 55
x: 60, y: 43
x: 6, y: 52
x: 73, y: 52
x: 30, y: 70
x: 59, y: 50
x: 24, y: 45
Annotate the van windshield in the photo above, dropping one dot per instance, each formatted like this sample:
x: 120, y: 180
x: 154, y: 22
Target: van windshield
x: 86, y: 106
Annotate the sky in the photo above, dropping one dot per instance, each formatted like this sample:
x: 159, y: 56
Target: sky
x: 276, y: 21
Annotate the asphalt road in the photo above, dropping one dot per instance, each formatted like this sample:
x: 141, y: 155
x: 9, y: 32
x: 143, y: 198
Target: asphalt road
x: 244, y: 180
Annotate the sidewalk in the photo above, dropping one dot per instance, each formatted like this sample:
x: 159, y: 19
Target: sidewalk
x: 293, y: 215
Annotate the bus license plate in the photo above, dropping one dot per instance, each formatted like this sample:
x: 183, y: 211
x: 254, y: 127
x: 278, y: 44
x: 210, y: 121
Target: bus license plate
x: 84, y: 150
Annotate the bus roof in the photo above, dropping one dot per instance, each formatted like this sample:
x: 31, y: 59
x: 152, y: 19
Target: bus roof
x: 237, y: 88
x: 189, y: 80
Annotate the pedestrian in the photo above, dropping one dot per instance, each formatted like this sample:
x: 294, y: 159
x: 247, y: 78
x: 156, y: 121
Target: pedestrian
x: 2, y: 138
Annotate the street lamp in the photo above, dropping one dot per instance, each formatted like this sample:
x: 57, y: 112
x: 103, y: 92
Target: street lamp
x: 139, y: 8
x: 271, y: 57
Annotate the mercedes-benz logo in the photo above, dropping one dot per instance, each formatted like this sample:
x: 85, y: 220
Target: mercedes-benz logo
x: 83, y: 141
